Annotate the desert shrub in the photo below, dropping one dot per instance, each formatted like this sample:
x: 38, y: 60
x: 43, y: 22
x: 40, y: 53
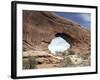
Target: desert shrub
x: 66, y: 61
x: 29, y: 63
x: 26, y: 64
x: 32, y: 62
x: 67, y: 52
x: 71, y: 52
x: 58, y: 53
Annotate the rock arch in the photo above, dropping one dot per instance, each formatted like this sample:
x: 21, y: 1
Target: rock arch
x: 40, y: 27
x: 65, y: 37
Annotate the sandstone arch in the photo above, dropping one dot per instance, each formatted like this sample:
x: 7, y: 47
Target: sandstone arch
x: 40, y: 27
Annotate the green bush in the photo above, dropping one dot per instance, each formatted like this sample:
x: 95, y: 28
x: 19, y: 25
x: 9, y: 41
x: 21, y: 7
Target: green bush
x: 71, y: 52
x: 25, y: 63
x: 67, y: 52
x: 32, y: 62
x: 66, y: 62
x: 29, y: 63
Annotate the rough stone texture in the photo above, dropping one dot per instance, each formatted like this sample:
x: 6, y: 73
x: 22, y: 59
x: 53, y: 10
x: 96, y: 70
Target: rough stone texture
x: 43, y: 59
x: 39, y: 28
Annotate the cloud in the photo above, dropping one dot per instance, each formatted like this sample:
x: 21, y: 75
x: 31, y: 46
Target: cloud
x: 58, y: 44
x: 85, y: 17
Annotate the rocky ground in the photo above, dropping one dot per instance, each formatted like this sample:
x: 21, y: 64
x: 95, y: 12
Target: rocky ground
x: 43, y: 59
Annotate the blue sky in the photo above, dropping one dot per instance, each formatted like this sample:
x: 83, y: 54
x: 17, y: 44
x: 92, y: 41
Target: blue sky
x: 58, y: 44
x: 84, y: 19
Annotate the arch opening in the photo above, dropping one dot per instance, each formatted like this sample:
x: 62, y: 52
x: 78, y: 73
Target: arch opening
x: 59, y: 43
x: 65, y: 37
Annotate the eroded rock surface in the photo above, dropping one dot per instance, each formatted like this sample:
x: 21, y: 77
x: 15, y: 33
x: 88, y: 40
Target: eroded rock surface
x: 39, y: 28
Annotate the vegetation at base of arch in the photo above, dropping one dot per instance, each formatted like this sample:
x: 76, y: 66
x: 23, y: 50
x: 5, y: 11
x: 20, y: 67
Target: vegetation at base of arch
x: 29, y: 62
x: 78, y: 61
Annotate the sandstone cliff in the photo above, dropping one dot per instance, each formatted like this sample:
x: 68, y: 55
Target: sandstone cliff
x: 40, y: 27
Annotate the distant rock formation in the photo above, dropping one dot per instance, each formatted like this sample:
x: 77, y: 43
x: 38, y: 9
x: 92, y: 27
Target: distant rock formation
x: 39, y: 28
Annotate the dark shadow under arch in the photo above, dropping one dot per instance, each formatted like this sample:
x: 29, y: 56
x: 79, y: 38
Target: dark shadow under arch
x: 65, y: 37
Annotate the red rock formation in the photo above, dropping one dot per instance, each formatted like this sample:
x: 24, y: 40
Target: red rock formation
x: 40, y: 27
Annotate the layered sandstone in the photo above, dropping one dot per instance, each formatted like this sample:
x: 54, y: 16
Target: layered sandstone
x: 39, y: 28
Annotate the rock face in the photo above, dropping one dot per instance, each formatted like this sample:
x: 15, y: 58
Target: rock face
x: 39, y: 28
x: 43, y: 59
